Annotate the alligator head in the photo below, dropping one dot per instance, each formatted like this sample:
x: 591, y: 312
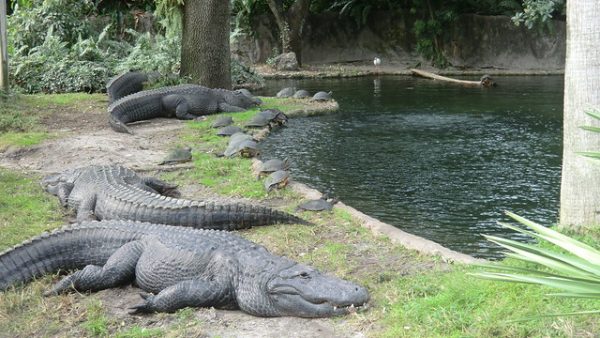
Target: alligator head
x: 60, y: 184
x: 238, y: 99
x: 299, y: 290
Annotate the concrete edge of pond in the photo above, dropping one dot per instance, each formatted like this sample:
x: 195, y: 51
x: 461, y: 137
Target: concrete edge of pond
x: 396, y: 235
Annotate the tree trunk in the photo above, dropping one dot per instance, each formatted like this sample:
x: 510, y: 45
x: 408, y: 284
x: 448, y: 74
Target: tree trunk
x: 205, y: 55
x: 580, y: 186
x: 290, y: 24
x: 3, y: 49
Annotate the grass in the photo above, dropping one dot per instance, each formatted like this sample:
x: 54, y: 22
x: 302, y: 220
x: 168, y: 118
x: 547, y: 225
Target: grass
x: 20, y: 116
x: 25, y: 209
x: 411, y: 295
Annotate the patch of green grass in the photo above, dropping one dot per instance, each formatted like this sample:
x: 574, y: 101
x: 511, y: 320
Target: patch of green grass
x: 69, y: 99
x: 25, y: 209
x: 454, y: 304
x: 23, y: 139
x: 140, y: 332
x: 96, y: 323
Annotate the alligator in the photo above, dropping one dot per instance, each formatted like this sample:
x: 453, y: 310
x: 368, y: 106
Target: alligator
x: 185, y: 102
x: 125, y: 84
x: 115, y: 192
x: 180, y: 267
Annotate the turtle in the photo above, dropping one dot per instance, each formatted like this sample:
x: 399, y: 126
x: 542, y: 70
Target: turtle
x: 487, y: 81
x: 301, y: 94
x: 178, y: 155
x: 322, y: 96
x: 286, y: 92
x: 244, y: 148
x: 272, y: 165
x: 240, y: 136
x: 316, y: 205
x: 277, y: 180
x: 229, y: 130
x: 222, y: 121
x: 258, y: 121
x: 274, y: 115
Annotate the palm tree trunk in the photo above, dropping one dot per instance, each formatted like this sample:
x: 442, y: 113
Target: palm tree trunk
x: 580, y: 186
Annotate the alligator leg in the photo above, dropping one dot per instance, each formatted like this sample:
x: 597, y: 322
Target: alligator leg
x: 194, y: 293
x: 178, y: 104
x: 63, y: 190
x: 215, y: 289
x: 225, y: 107
x: 85, y: 210
x: 161, y: 187
x: 118, y: 269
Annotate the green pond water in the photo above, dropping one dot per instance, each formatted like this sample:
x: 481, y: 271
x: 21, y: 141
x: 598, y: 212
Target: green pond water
x: 433, y: 159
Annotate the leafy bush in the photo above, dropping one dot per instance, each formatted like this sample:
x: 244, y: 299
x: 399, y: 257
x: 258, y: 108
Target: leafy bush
x: 29, y: 24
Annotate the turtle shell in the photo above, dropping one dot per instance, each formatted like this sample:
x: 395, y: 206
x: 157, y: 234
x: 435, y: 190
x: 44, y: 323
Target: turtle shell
x: 301, y: 94
x: 229, y: 130
x: 273, y: 165
x: 316, y: 205
x: 258, y: 121
x: 244, y: 148
x: 322, y: 96
x: 222, y: 121
x: 286, y: 92
x: 240, y: 136
x: 274, y: 115
x: 178, y: 155
x: 277, y: 180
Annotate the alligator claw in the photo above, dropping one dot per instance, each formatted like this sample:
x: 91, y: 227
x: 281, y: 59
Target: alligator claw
x: 144, y: 307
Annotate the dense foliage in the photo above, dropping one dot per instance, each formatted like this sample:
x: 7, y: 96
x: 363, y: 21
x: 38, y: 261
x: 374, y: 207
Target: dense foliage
x: 64, y: 46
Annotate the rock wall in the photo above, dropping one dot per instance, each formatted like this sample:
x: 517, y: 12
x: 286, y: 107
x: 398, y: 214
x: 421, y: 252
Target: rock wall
x: 474, y: 41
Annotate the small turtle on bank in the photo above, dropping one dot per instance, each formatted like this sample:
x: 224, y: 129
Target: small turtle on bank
x: 222, y: 121
x: 178, y: 155
x: 301, y: 94
x: 258, y: 121
x: 240, y: 136
x: 274, y: 115
x: 316, y: 205
x: 272, y: 165
x: 322, y: 96
x: 244, y: 148
x: 286, y: 92
x: 229, y: 130
x: 277, y: 180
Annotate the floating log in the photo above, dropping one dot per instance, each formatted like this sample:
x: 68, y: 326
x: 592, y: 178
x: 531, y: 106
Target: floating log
x: 486, y: 80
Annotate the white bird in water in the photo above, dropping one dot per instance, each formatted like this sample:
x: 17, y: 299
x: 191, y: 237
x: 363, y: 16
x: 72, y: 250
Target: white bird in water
x: 377, y: 62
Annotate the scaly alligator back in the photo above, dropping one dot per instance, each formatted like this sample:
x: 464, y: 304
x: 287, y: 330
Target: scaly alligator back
x: 67, y: 248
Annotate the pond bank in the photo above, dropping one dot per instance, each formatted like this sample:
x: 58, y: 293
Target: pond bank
x: 345, y: 70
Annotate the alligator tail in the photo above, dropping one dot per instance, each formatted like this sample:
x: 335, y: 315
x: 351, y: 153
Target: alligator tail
x: 242, y: 216
x: 118, y: 126
x: 65, y: 249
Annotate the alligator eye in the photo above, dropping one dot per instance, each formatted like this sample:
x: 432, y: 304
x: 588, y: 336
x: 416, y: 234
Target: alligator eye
x: 304, y: 274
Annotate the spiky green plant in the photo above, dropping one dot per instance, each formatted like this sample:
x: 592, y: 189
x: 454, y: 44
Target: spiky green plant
x: 574, y: 268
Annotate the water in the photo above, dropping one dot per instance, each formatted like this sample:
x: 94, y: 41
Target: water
x: 436, y: 160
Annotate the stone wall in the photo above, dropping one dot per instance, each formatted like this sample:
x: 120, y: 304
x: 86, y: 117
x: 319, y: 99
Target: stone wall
x: 474, y: 41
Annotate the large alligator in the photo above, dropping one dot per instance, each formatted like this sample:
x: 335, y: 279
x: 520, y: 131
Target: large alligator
x: 115, y: 192
x: 125, y: 84
x: 182, y: 267
x: 185, y: 102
